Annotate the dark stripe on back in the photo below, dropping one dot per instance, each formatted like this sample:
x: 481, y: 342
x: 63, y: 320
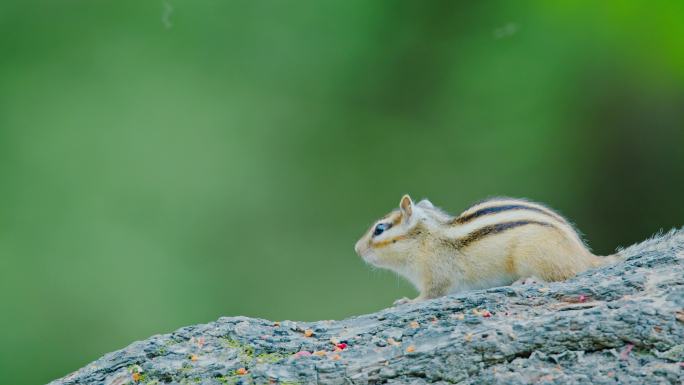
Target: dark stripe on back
x: 497, y: 209
x: 491, y: 230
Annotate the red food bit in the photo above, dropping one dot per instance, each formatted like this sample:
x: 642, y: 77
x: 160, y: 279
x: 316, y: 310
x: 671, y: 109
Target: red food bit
x: 625, y: 353
x: 241, y: 372
x: 341, y: 345
x: 486, y: 313
x: 582, y: 298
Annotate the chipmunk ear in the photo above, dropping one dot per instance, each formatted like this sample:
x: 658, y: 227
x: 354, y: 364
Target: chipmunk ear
x: 406, y: 205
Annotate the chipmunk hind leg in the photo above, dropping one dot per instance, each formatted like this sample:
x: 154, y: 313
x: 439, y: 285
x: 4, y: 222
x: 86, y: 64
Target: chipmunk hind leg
x: 551, y: 258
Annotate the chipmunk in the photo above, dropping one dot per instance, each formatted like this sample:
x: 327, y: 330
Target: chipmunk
x: 493, y: 243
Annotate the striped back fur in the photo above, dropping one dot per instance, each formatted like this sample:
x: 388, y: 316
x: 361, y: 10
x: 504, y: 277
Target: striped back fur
x: 496, y: 215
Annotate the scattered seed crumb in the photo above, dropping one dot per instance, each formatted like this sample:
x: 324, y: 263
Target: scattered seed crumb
x: 411, y: 349
x: 320, y: 353
x: 680, y: 315
x: 392, y: 342
x: 334, y: 341
x: 543, y: 289
x: 468, y: 337
x: 136, y: 377
x: 241, y: 371
x: 308, y: 332
x: 459, y: 316
x: 193, y: 357
x: 276, y: 324
x: 386, y: 363
x: 414, y: 325
x: 512, y: 336
x: 336, y: 357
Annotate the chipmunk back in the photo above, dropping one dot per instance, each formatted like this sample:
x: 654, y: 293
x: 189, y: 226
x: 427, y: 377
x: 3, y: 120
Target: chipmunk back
x: 493, y: 243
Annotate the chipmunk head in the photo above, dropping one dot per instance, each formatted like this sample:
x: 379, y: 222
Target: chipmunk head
x: 390, y: 242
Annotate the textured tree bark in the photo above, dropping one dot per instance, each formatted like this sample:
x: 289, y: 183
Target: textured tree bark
x: 619, y: 324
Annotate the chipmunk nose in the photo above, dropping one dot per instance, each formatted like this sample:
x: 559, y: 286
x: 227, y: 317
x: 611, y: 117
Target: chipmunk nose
x: 358, y: 247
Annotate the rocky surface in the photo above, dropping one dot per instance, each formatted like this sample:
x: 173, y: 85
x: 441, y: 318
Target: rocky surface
x: 622, y: 324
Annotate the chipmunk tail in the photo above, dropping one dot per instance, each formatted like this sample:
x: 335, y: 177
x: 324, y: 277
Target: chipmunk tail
x: 662, y: 242
x: 610, y: 259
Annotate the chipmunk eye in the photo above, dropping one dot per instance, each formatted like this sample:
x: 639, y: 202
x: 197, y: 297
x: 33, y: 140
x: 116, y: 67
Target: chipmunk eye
x: 380, y: 228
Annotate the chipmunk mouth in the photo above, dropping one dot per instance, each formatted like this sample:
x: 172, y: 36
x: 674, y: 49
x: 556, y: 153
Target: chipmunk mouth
x: 370, y: 259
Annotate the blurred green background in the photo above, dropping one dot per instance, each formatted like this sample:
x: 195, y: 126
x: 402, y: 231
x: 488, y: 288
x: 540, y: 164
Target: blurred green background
x: 165, y: 163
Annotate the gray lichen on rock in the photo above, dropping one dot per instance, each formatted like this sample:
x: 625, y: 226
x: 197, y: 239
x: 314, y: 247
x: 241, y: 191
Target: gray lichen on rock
x: 619, y: 324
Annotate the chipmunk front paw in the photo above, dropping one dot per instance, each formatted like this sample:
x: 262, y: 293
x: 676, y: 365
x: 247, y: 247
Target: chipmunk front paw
x: 402, y: 301
x: 528, y: 281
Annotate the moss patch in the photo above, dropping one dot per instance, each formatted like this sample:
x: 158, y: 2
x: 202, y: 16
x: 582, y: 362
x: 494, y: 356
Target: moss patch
x: 245, y: 351
x: 270, y: 358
